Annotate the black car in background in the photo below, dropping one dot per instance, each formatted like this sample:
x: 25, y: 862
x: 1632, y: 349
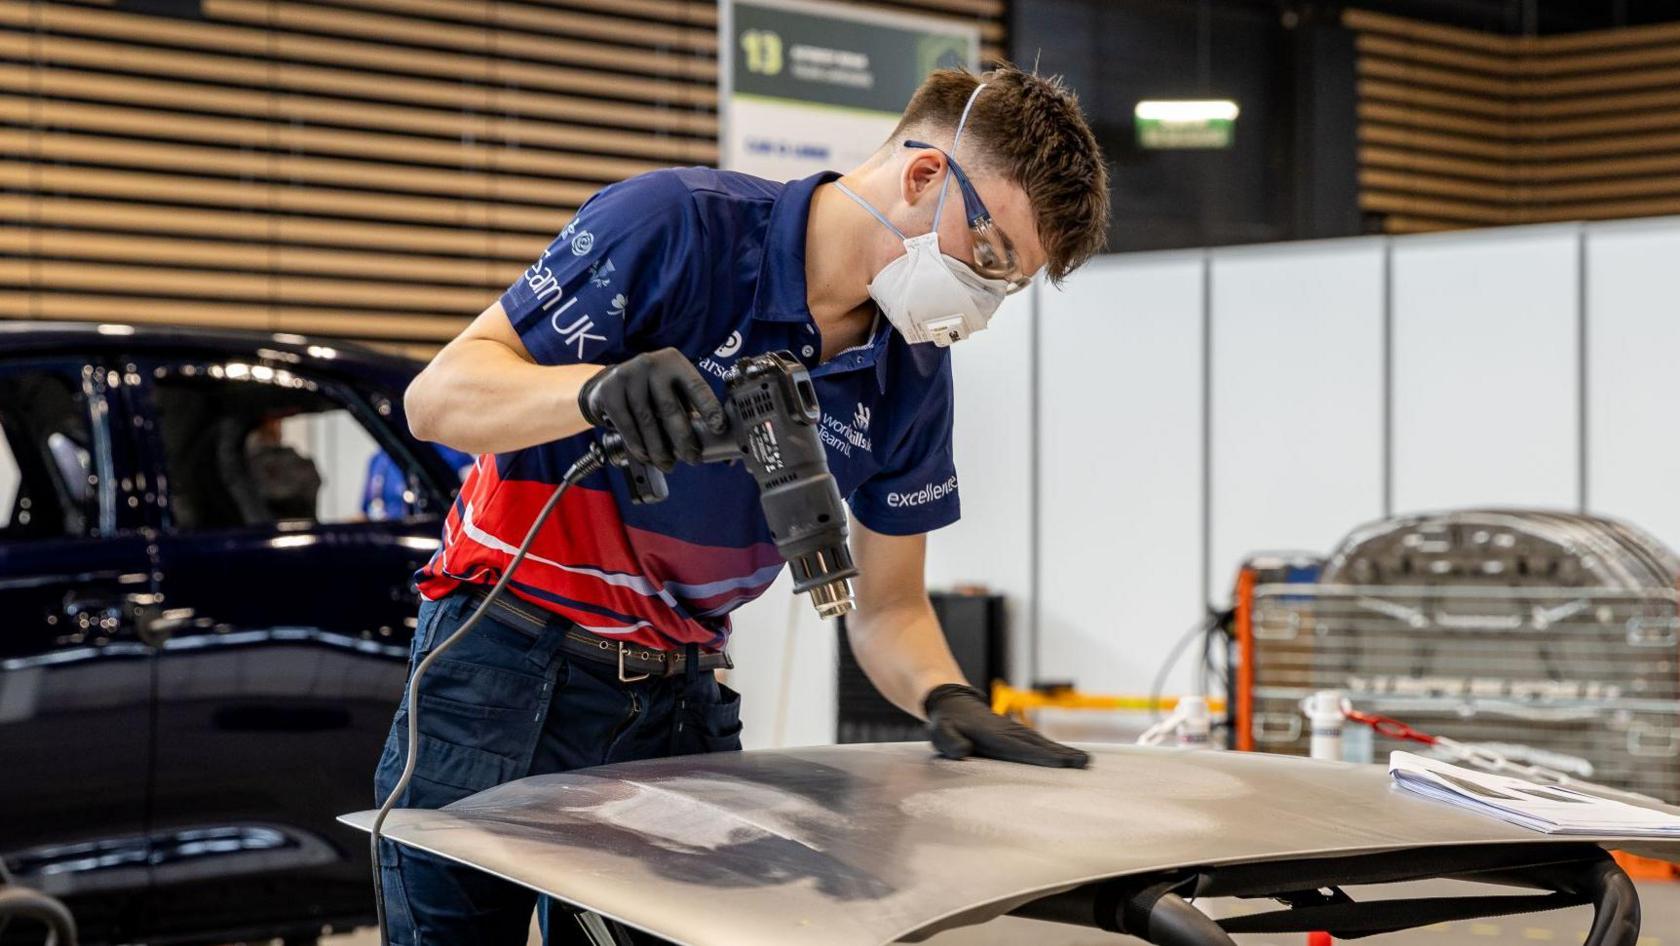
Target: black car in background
x: 205, y: 613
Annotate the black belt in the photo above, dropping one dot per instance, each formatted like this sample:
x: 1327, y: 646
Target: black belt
x: 634, y: 663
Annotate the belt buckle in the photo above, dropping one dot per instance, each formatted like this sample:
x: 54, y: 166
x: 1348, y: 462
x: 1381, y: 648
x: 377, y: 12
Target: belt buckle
x: 621, y: 676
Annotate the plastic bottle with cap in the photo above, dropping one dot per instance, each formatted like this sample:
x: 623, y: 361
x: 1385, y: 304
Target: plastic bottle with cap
x: 1193, y: 724
x: 1324, y: 713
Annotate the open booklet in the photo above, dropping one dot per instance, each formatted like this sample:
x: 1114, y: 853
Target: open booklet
x: 1552, y: 809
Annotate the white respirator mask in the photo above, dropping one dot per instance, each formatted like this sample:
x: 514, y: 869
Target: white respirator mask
x: 927, y: 295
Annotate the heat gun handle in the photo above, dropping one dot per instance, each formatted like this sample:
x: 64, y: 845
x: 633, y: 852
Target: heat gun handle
x: 715, y: 447
x: 646, y: 482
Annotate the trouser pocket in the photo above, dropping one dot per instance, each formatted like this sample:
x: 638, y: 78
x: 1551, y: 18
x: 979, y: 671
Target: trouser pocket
x: 481, y: 705
x: 469, y: 739
x: 710, y: 718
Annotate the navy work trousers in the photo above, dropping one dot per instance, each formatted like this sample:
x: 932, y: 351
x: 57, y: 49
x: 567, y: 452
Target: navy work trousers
x: 503, y: 703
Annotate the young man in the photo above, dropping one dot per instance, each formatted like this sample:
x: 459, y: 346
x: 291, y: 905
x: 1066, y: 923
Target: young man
x: 669, y: 278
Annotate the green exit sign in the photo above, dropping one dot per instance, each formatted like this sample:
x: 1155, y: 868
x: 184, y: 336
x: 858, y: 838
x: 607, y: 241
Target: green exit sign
x: 1183, y: 123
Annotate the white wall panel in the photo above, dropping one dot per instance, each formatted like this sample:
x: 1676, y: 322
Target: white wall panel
x: 1633, y: 386
x: 1120, y: 469
x: 784, y: 669
x: 1485, y: 372
x: 1297, y: 411
x: 1485, y: 386
x: 990, y: 545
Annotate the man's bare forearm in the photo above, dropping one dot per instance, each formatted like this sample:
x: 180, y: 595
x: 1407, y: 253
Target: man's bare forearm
x: 903, y: 650
x: 483, y: 394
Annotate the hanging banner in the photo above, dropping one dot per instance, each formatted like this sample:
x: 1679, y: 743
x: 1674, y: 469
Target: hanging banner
x: 807, y: 86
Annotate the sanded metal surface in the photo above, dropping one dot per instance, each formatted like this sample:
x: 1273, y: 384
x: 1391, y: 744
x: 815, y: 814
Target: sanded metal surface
x: 862, y: 845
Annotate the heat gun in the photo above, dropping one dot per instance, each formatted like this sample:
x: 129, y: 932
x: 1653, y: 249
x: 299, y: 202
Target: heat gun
x: 773, y: 419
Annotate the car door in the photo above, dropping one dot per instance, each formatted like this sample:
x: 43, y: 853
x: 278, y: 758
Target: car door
x: 75, y: 677
x: 278, y: 682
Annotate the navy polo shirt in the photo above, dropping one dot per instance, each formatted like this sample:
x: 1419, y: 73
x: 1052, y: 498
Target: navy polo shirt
x: 711, y: 263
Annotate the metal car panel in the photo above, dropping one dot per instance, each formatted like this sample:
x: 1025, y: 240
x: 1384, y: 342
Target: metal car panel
x: 867, y: 844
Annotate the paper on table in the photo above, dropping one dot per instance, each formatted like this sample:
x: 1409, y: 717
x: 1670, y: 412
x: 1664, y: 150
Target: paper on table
x: 1552, y: 809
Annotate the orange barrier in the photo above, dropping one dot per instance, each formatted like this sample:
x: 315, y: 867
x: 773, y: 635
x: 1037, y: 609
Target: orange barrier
x: 1009, y: 701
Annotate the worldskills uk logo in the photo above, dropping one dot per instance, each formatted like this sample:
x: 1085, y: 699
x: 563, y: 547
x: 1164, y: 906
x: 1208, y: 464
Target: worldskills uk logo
x: 844, y: 437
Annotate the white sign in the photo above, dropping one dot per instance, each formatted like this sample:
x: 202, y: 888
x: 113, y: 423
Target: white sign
x: 809, y: 86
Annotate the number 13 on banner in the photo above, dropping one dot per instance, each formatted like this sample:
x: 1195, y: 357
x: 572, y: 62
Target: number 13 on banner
x: 763, y: 50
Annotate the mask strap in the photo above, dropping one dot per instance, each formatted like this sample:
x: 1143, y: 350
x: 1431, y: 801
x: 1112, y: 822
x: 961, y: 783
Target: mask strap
x: 872, y: 211
x: 945, y: 185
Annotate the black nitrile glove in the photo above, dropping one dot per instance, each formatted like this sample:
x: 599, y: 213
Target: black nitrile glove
x: 649, y: 401
x: 962, y: 724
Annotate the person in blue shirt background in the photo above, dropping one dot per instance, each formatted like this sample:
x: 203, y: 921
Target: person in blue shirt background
x: 603, y: 648
x: 385, y: 487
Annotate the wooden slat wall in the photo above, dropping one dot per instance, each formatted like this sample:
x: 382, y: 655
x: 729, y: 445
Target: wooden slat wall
x: 366, y: 169
x: 1459, y: 128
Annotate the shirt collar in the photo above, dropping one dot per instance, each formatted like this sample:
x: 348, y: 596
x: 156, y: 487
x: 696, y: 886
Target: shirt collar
x: 780, y: 295
x: 883, y: 351
x: 872, y: 353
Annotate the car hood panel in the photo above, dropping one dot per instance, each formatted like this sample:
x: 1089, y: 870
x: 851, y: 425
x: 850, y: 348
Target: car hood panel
x: 863, y: 845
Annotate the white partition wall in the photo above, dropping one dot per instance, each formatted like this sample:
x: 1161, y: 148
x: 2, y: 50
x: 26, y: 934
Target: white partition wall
x: 1120, y: 469
x: 1633, y: 373
x: 1340, y: 380
x: 991, y: 544
x: 1297, y: 398
x: 784, y: 670
x: 1485, y: 384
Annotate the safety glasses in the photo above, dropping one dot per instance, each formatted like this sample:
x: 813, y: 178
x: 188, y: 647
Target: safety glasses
x: 994, y: 255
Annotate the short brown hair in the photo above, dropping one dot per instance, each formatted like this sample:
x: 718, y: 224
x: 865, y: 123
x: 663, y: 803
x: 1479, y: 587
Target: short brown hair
x: 1030, y: 129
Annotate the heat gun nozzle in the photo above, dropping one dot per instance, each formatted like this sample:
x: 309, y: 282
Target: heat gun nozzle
x: 833, y: 598
x: 825, y: 573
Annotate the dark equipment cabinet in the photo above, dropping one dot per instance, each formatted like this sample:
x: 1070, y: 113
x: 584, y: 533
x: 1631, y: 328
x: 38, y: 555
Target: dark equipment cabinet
x: 977, y: 629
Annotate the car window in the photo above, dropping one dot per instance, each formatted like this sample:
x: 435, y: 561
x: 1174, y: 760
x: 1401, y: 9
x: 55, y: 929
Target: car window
x: 48, y: 485
x: 247, y: 445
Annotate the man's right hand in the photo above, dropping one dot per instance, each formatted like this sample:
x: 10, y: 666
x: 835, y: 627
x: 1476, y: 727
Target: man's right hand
x: 650, y: 401
x: 961, y: 724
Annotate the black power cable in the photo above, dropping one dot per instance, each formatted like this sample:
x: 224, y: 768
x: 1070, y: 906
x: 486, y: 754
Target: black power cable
x: 587, y: 464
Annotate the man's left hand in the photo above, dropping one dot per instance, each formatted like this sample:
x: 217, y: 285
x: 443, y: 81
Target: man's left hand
x: 962, y: 725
